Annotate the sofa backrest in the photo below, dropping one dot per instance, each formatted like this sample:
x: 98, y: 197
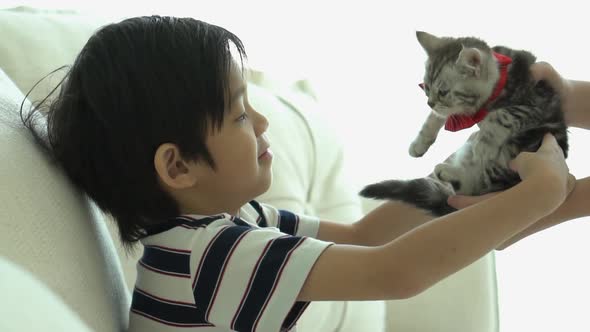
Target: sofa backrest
x: 46, y: 226
x: 50, y: 229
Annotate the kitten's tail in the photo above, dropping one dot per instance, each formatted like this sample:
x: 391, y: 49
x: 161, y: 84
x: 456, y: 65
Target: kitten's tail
x: 425, y: 193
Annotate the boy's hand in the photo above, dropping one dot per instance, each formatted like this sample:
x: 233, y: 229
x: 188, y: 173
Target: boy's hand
x: 460, y: 201
x: 547, y: 163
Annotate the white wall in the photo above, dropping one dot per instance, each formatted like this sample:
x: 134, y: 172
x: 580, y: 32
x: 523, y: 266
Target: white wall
x: 366, y: 63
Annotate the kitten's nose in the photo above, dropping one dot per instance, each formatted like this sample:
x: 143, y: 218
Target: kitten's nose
x: 431, y: 104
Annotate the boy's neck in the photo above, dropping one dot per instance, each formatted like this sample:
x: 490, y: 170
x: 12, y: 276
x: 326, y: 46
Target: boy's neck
x: 208, y: 208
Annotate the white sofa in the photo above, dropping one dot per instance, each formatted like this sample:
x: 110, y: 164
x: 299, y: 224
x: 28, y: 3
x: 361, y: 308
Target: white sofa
x: 61, y: 264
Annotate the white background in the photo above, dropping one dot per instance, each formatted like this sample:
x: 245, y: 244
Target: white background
x: 365, y: 64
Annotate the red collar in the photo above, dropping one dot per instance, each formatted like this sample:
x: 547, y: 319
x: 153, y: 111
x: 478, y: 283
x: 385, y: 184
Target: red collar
x: 458, y: 122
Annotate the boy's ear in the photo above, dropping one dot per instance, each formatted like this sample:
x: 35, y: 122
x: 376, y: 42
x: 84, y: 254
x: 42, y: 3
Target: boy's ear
x: 172, y: 170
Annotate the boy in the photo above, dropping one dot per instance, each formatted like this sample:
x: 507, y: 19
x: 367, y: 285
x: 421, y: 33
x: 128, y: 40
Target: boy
x: 153, y: 123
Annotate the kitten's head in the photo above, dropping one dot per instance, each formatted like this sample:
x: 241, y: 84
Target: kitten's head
x: 460, y: 73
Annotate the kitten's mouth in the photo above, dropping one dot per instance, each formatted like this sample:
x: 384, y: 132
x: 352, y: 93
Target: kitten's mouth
x: 444, y: 111
x: 439, y: 113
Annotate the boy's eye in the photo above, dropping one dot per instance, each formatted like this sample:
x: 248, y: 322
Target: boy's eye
x: 443, y: 93
x: 242, y: 117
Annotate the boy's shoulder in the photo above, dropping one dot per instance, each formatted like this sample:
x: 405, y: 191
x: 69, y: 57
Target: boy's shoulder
x: 186, y: 230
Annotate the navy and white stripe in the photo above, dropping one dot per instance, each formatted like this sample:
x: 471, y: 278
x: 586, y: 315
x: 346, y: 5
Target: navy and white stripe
x: 223, y: 273
x: 167, y: 312
x: 261, y: 221
x: 288, y: 222
x: 168, y: 261
x: 212, y: 266
x: 263, y: 282
x: 296, y: 312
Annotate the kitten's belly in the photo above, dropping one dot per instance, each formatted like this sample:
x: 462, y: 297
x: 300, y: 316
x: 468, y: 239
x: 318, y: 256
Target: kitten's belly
x: 481, y: 160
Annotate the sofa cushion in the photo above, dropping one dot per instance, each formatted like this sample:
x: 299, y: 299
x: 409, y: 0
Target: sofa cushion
x: 28, y: 305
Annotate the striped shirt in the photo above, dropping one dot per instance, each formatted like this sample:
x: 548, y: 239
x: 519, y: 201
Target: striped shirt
x: 224, y: 273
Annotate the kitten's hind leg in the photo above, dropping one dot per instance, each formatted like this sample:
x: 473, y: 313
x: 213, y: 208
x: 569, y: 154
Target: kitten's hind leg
x: 450, y: 174
x: 463, y: 178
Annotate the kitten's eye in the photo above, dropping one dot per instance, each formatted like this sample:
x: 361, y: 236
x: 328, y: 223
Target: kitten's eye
x: 443, y: 93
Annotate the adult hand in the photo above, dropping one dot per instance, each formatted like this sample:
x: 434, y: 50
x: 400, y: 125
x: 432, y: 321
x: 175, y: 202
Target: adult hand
x: 543, y: 71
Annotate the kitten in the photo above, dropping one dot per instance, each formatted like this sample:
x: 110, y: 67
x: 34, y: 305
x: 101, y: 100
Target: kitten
x: 467, y: 82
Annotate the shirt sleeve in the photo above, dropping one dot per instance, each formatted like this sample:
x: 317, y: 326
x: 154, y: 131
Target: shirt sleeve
x: 248, y: 278
x: 291, y: 223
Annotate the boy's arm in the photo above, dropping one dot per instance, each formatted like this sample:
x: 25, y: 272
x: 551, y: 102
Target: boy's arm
x: 427, y: 254
x: 392, y: 219
x: 385, y: 223
x: 577, y: 205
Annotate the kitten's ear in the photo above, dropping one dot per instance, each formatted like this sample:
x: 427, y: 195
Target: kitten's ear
x: 429, y: 42
x: 470, y: 60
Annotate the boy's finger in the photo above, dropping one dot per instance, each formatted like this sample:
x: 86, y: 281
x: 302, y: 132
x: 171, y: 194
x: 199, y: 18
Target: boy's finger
x: 515, y: 163
x: 459, y: 202
x: 549, y: 142
x: 549, y: 139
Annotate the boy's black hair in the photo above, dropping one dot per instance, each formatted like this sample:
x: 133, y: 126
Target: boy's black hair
x: 135, y: 85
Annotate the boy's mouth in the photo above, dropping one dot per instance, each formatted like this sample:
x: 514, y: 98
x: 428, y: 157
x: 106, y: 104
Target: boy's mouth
x: 263, y: 148
x: 266, y: 152
x: 266, y: 155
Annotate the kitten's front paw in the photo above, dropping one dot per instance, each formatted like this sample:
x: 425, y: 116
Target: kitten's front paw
x: 418, y: 148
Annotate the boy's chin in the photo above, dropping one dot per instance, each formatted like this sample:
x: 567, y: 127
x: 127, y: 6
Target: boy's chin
x: 265, y: 183
x: 268, y: 181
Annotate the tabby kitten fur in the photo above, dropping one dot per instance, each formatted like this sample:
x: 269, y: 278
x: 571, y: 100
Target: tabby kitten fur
x: 460, y: 77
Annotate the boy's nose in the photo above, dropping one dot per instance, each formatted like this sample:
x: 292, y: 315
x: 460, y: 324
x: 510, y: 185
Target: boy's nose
x: 261, y: 124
